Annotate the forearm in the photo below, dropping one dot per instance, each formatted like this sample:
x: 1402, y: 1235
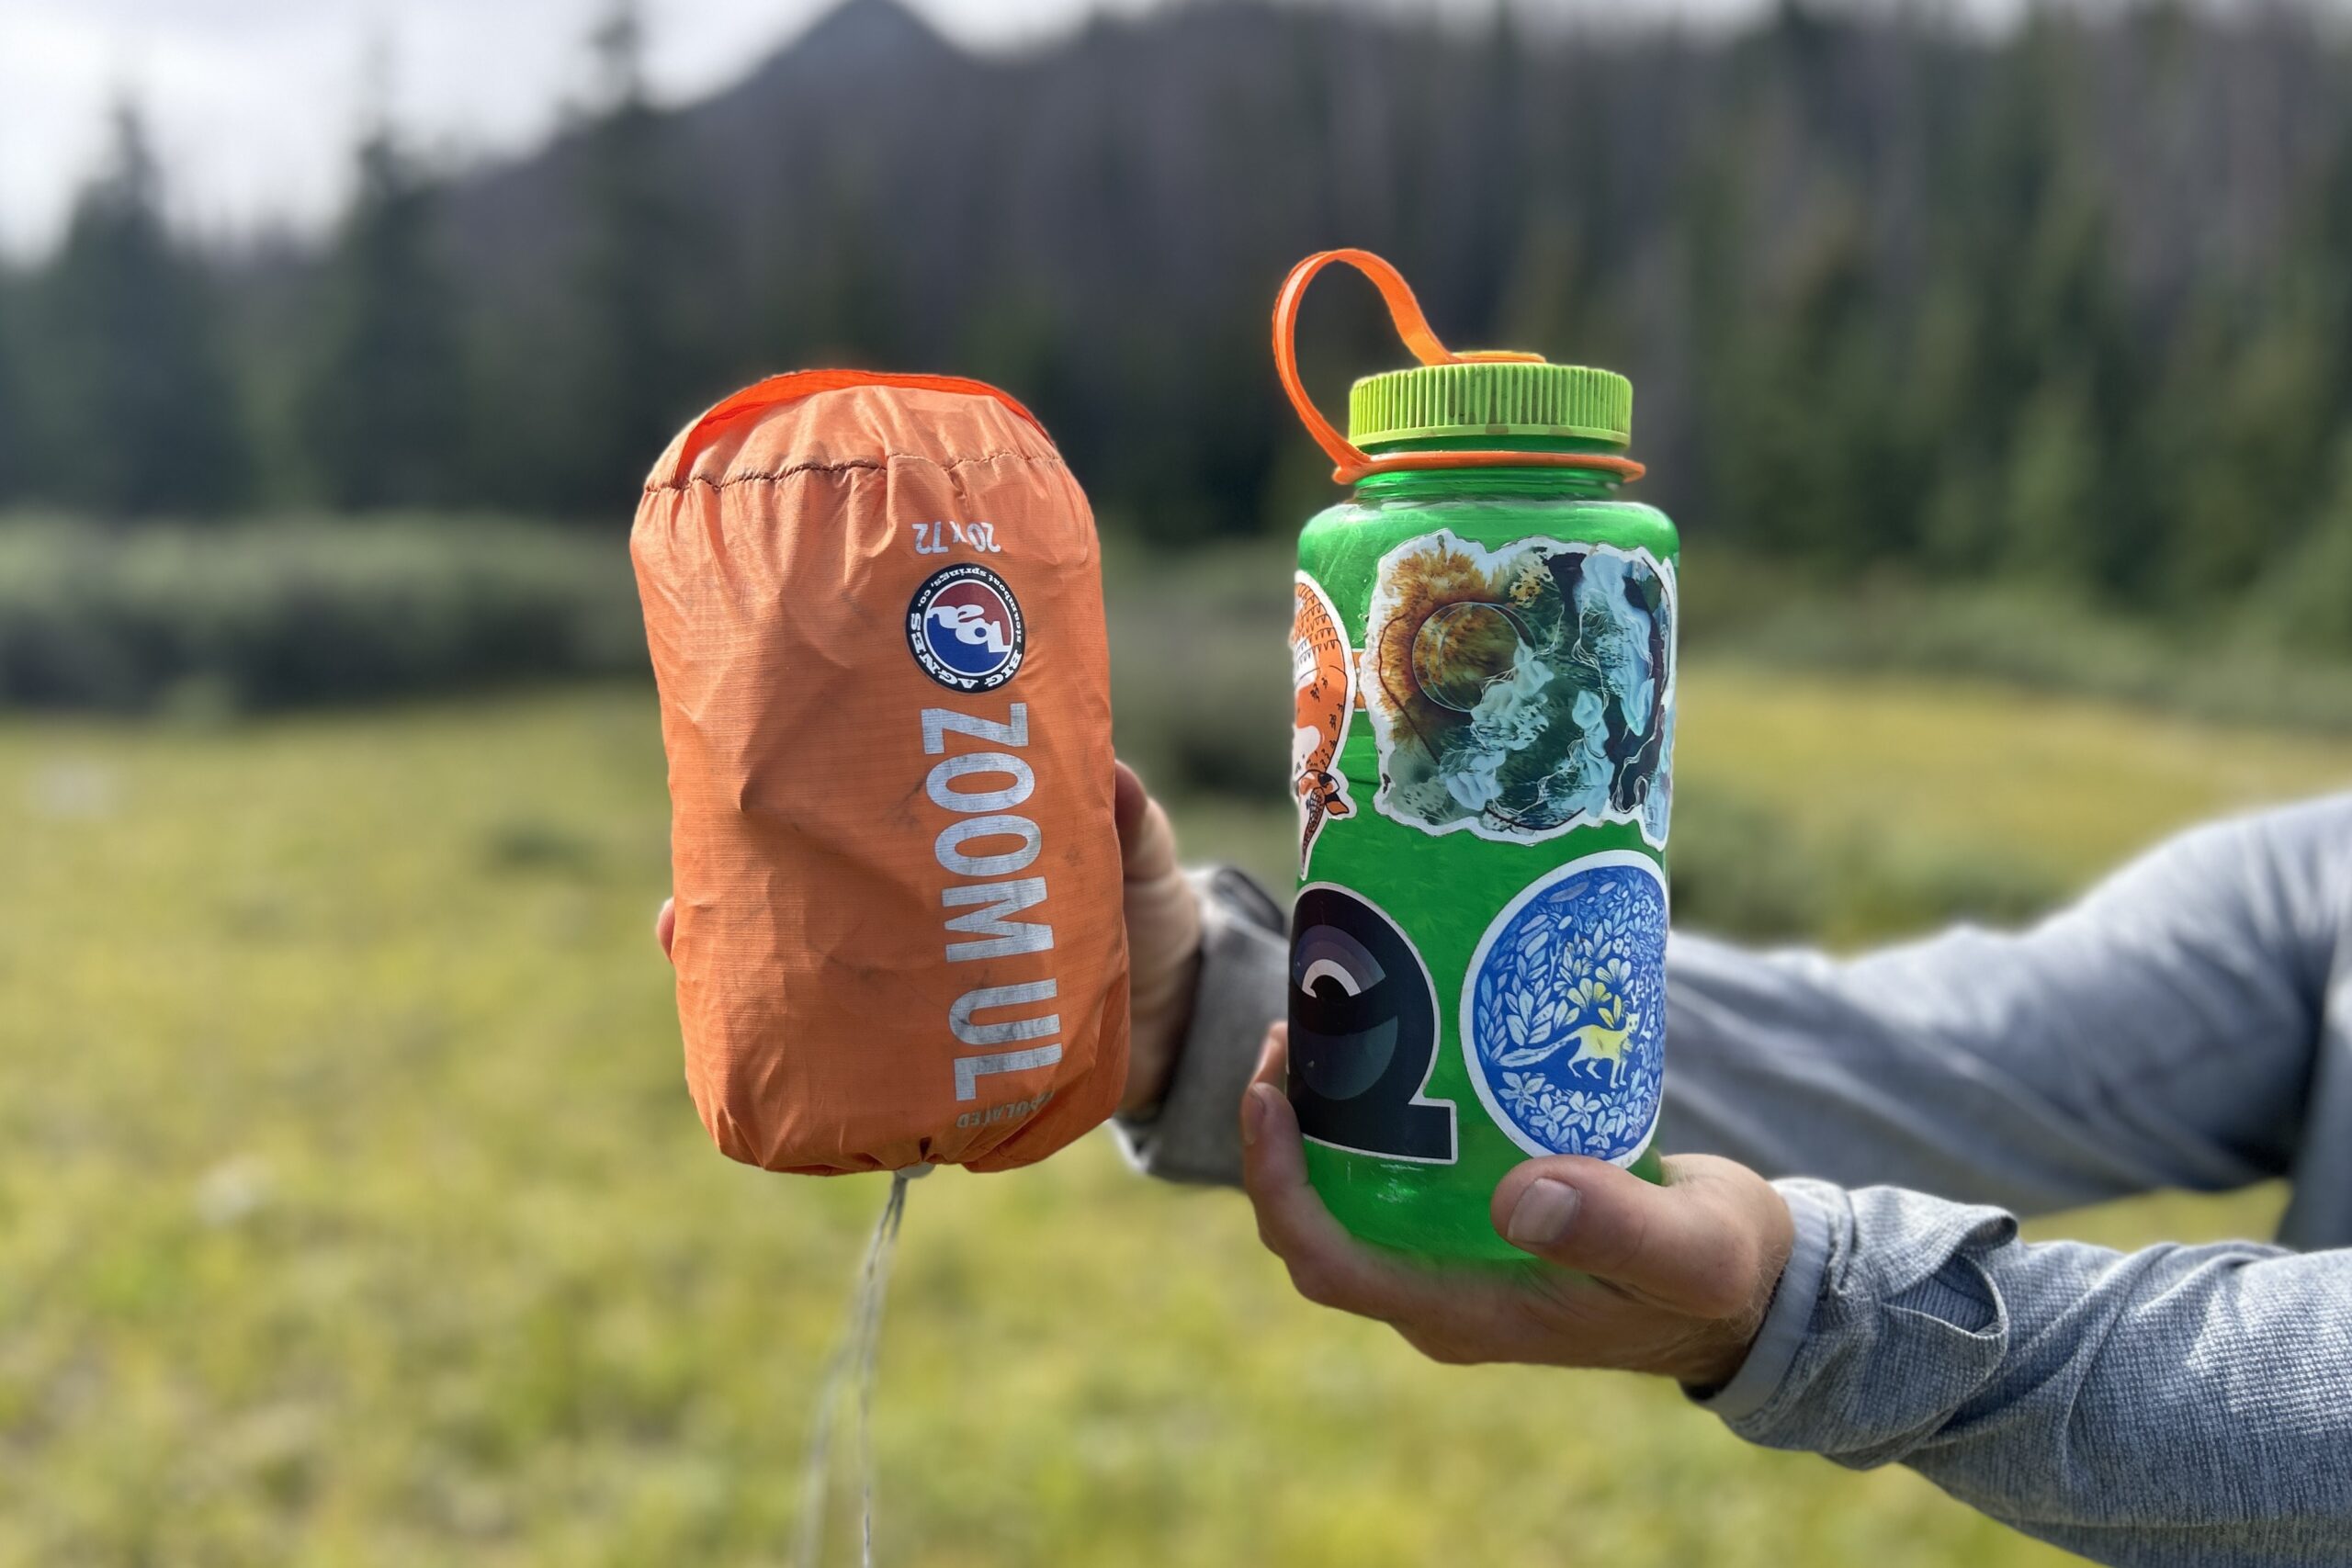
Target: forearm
x: 2179, y: 1405
x: 2172, y: 1028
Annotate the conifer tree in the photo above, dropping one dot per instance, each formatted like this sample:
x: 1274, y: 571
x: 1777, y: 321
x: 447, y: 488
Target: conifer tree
x: 17, y: 443
x: 637, y: 273
x: 382, y: 420
x: 146, y: 417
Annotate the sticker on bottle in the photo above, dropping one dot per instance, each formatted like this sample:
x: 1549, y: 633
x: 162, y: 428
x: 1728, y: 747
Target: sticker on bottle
x: 1363, y: 1035
x: 1323, y: 676
x: 1522, y: 692
x: 1564, y: 1010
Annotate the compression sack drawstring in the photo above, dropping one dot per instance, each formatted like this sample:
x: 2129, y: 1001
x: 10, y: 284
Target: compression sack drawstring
x: 849, y: 1372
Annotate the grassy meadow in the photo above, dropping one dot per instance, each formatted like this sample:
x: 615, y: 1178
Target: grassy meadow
x: 351, y: 1210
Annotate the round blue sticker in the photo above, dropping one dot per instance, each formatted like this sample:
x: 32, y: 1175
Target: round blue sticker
x: 1564, y: 1010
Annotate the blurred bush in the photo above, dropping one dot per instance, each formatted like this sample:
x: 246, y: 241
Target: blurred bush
x: 1200, y: 667
x: 212, y: 620
x: 2264, y: 661
x: 1739, y: 871
x: 1743, y: 869
x: 302, y: 611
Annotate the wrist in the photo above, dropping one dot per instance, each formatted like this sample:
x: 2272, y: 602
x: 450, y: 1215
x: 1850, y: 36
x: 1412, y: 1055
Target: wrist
x: 1717, y: 1350
x: 1725, y: 1346
x: 1159, y: 1016
x: 1789, y: 1311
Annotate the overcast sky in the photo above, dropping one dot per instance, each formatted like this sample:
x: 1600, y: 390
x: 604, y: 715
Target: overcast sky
x: 252, y: 102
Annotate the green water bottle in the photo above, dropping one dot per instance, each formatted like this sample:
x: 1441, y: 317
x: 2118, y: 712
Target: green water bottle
x: 1483, y: 650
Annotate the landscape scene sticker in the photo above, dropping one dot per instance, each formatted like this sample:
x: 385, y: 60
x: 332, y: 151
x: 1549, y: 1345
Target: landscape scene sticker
x: 1564, y: 1010
x: 1523, y: 692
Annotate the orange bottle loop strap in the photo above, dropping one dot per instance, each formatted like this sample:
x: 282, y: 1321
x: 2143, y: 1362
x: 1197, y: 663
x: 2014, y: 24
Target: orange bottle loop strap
x: 1351, y: 462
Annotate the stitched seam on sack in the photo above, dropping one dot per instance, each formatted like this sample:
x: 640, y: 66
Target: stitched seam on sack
x: 869, y: 465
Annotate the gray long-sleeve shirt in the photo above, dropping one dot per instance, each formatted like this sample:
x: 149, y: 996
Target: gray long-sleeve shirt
x: 2187, y: 1024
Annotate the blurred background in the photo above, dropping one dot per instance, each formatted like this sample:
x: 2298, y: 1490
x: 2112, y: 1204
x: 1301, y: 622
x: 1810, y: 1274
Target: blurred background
x: 1996, y: 363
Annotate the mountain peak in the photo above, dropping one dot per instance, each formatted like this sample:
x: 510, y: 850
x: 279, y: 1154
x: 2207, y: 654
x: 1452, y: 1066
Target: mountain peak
x: 867, y: 34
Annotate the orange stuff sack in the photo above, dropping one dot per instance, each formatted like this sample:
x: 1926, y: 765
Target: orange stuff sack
x: 874, y: 608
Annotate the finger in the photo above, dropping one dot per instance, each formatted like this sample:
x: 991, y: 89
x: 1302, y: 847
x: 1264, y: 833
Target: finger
x: 665, y: 925
x: 1128, y: 797
x: 1329, y: 1266
x: 1147, y: 843
x: 1700, y: 1244
x: 1273, y: 1058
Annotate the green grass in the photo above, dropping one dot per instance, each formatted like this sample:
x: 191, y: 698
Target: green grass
x: 352, y: 1210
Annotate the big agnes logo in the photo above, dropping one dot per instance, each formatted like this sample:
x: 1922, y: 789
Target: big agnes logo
x: 964, y: 626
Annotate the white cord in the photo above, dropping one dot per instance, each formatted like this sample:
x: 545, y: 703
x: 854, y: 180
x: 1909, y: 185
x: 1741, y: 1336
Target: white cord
x: 855, y: 1356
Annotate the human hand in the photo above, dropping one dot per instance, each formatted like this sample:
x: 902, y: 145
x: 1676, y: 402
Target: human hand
x: 1672, y: 1279
x: 1163, y: 942
x: 1163, y: 918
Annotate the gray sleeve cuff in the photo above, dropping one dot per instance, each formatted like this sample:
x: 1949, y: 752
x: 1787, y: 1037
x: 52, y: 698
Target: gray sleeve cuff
x: 1790, y: 1313
x: 1903, y: 1328
x: 1195, y: 1132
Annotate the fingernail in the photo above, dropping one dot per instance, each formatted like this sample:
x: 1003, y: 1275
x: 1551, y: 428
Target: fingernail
x: 1253, y: 1113
x: 1542, y: 1216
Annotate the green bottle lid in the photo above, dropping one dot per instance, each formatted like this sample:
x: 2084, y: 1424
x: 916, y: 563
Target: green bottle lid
x: 1489, y: 397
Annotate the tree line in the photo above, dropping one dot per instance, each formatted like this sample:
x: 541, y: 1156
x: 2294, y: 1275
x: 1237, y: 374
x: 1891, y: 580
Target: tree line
x: 2071, y: 304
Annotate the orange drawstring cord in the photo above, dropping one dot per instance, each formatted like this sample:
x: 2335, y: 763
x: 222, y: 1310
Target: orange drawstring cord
x: 1351, y: 462
x: 793, y: 385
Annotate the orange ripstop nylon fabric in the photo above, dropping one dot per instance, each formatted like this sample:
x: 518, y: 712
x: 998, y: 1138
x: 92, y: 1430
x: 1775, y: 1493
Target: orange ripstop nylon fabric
x: 867, y: 898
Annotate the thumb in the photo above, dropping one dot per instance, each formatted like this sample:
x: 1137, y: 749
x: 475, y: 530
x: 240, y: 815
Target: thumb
x: 1710, y: 1242
x: 1147, y: 843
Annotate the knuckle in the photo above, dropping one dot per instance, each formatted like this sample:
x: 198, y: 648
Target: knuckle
x: 1316, y: 1284
x: 1277, y: 1236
